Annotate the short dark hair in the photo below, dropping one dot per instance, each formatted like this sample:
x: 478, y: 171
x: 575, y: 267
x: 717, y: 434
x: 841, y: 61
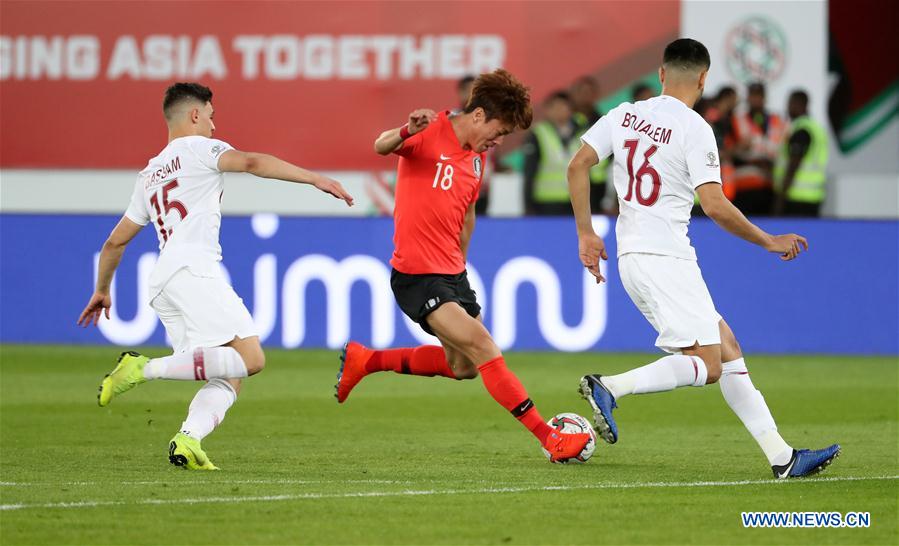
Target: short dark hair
x: 800, y: 95
x: 726, y: 91
x: 181, y: 91
x: 687, y: 54
x: 464, y: 81
x: 756, y: 88
x: 587, y: 79
x: 502, y: 97
x: 638, y: 89
x: 557, y: 95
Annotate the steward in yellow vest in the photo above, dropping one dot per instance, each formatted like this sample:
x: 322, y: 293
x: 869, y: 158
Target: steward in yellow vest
x: 585, y: 94
x: 548, y: 149
x: 800, y: 173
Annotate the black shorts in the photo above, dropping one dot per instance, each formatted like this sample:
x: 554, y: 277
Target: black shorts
x: 419, y: 295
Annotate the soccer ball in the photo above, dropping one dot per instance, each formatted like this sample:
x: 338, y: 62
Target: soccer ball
x: 572, y: 423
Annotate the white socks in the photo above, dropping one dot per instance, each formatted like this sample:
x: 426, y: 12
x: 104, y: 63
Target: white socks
x: 749, y: 405
x: 208, y: 408
x: 664, y: 374
x: 199, y: 365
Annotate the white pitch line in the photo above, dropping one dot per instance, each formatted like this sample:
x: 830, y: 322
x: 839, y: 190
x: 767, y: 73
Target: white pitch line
x: 428, y: 492
x: 201, y: 482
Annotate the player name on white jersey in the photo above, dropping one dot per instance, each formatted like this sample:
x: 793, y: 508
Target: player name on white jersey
x: 656, y: 172
x: 164, y: 173
x: 658, y: 134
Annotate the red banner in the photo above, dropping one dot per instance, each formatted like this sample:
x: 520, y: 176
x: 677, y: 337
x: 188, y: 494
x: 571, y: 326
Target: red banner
x: 81, y: 83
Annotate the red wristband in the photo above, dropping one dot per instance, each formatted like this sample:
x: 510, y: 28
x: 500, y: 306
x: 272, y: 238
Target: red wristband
x: 404, y: 132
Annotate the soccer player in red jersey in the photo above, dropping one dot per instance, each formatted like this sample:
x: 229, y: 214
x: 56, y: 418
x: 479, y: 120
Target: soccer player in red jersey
x: 438, y: 180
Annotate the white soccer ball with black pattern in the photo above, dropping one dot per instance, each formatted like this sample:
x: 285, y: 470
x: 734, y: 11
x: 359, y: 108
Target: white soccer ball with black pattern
x: 572, y: 423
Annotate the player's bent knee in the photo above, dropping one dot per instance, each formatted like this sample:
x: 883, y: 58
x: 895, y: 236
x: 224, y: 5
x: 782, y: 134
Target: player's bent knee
x: 714, y: 372
x: 255, y: 362
x: 465, y: 372
x: 482, y: 346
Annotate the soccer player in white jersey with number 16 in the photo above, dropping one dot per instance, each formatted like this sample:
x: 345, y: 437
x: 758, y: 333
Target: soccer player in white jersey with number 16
x: 664, y: 152
x: 212, y: 333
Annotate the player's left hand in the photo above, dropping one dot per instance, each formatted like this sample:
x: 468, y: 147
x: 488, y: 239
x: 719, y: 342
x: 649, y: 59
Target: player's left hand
x: 788, y: 246
x: 329, y: 185
x: 98, y: 305
x: 590, y: 249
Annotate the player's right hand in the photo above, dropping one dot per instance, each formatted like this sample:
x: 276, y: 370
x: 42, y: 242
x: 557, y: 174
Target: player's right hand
x: 329, y: 185
x: 788, y: 246
x: 419, y: 119
x: 590, y: 249
x: 98, y: 305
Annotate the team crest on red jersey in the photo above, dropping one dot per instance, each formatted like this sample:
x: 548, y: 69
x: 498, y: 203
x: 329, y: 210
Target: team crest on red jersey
x: 477, y: 166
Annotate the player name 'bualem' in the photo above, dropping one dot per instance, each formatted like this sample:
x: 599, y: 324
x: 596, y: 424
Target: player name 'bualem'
x: 164, y: 173
x: 658, y: 134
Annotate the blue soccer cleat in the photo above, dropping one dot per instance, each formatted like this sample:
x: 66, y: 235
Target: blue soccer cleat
x: 807, y: 462
x: 602, y: 402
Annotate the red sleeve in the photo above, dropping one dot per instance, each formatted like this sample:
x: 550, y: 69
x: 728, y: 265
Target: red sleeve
x: 480, y: 186
x: 475, y: 194
x: 411, y: 145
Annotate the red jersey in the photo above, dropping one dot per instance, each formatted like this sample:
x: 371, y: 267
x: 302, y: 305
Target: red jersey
x: 437, y: 180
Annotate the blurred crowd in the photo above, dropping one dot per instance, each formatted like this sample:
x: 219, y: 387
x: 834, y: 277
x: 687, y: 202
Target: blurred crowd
x: 770, y: 164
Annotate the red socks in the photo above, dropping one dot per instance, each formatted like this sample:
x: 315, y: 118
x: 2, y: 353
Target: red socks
x: 503, y: 386
x: 426, y: 360
x: 508, y: 391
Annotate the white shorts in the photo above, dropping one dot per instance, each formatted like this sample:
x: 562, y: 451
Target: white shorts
x: 201, y: 311
x: 673, y: 297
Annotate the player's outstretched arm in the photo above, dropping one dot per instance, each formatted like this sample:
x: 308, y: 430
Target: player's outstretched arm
x: 269, y: 166
x: 590, y: 245
x: 717, y: 207
x: 110, y: 256
x: 391, y: 140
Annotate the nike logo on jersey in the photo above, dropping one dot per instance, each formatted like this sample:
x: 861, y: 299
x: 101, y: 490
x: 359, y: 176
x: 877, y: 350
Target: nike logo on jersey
x: 444, y: 157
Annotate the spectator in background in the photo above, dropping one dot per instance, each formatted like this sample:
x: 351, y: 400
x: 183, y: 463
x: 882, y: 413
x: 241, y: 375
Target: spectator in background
x: 548, y: 148
x: 584, y: 100
x: 463, y: 88
x: 720, y: 115
x: 641, y: 91
x: 756, y: 137
x: 800, y: 172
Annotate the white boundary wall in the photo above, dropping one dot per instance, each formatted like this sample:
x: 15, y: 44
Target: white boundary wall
x: 108, y: 192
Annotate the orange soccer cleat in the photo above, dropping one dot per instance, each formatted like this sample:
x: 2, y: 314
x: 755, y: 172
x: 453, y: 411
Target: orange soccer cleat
x: 352, y: 368
x: 565, y: 446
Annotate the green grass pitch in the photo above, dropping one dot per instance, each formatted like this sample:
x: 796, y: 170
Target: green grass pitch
x: 431, y: 461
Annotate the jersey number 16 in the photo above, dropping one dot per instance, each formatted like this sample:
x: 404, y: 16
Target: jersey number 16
x: 636, y: 179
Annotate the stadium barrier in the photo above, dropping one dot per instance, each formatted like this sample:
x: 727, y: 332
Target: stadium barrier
x: 314, y: 282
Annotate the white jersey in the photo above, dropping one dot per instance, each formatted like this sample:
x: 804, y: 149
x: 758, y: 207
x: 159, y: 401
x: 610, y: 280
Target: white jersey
x: 180, y: 192
x: 663, y: 151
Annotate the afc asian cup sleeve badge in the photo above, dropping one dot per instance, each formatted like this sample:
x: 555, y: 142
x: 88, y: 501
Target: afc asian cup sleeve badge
x: 477, y: 166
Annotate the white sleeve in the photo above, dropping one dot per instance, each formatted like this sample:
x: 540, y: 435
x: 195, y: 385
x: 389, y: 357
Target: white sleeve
x: 702, y: 156
x: 209, y: 150
x: 137, y: 208
x: 599, y: 137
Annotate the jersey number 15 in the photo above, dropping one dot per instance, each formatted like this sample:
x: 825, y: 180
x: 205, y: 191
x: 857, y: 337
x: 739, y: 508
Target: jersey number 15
x: 162, y: 211
x: 645, y: 170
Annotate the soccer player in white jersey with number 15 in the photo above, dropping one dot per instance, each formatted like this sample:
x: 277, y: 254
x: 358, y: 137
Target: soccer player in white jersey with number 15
x: 664, y: 152
x: 179, y: 193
